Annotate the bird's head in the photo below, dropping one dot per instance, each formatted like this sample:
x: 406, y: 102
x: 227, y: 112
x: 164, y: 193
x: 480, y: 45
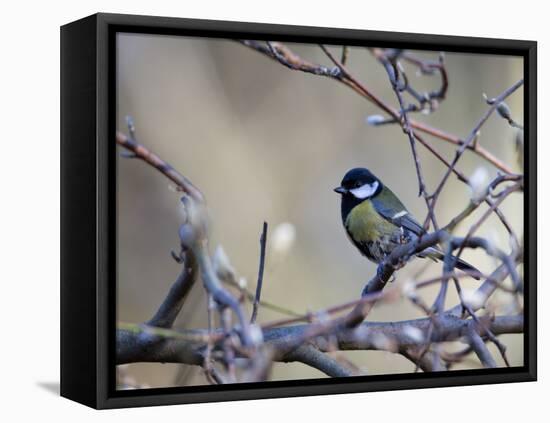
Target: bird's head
x: 359, y: 183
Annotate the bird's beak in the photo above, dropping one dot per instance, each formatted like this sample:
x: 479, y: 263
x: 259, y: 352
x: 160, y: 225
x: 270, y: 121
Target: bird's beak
x: 341, y: 190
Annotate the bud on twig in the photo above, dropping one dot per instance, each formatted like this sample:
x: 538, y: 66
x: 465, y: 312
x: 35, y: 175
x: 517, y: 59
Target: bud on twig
x: 375, y: 120
x: 256, y: 334
x: 504, y: 111
x: 223, y: 267
x: 473, y: 299
x: 479, y: 184
x: 408, y: 289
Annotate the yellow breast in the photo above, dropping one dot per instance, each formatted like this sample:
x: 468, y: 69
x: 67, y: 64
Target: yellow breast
x: 364, y: 222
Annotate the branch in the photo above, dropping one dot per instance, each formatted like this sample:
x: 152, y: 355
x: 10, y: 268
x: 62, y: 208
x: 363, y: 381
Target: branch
x: 193, y: 237
x: 418, y: 340
x: 286, y: 57
x: 455, y: 140
x: 172, y: 304
x: 386, y: 269
x: 142, y: 346
x: 344, y: 76
x: 393, y: 71
x: 283, y: 54
x: 427, y: 362
x: 481, y: 350
x: 187, y: 346
x: 263, y: 242
x: 141, y: 152
x: 311, y: 356
x: 472, y: 136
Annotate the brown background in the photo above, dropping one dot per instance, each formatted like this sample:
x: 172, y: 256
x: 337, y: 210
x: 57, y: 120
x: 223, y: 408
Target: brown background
x: 267, y: 143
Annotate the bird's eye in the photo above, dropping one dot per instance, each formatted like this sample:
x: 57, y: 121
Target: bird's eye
x: 358, y: 184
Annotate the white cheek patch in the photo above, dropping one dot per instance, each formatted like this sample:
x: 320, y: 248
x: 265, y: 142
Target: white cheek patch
x: 365, y: 191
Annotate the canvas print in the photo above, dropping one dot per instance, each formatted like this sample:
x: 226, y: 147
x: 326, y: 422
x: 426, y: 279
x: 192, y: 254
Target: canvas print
x: 293, y: 211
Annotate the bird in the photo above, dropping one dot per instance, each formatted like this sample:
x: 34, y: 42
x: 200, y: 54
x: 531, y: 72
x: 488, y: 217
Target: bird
x: 376, y: 221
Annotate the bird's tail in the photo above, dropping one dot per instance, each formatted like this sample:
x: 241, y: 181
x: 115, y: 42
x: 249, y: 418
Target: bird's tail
x: 435, y: 254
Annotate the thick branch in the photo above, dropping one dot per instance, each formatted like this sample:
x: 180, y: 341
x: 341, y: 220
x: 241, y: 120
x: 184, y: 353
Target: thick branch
x: 142, y: 346
x: 481, y: 350
x: 187, y: 346
x: 156, y: 342
x: 172, y: 304
x: 311, y: 356
x: 385, y: 270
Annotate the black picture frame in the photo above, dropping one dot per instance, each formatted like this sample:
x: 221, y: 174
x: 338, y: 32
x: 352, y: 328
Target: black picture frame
x: 88, y: 247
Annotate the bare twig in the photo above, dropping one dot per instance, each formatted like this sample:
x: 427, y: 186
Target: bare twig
x: 343, y: 75
x: 263, y: 242
x: 240, y: 351
x: 207, y: 362
x: 471, y: 138
x: 393, y: 71
x: 151, y: 158
x: 177, y: 347
x: 193, y: 235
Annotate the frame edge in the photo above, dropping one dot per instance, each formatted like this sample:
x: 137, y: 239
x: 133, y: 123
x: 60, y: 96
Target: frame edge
x: 78, y: 211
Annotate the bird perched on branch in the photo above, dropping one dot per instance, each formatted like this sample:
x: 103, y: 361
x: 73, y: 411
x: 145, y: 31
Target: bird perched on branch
x: 376, y: 221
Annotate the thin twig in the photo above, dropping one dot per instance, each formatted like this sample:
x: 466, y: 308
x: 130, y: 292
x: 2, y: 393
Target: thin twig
x: 393, y: 71
x: 151, y: 158
x: 341, y: 74
x: 263, y: 242
x: 471, y: 138
x: 155, y: 341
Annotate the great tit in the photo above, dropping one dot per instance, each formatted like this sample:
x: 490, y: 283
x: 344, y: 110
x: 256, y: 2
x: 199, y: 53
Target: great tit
x: 376, y: 221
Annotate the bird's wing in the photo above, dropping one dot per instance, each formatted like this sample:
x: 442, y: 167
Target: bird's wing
x: 389, y: 207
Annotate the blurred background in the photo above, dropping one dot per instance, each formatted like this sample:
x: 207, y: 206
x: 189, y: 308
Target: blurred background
x: 267, y: 143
